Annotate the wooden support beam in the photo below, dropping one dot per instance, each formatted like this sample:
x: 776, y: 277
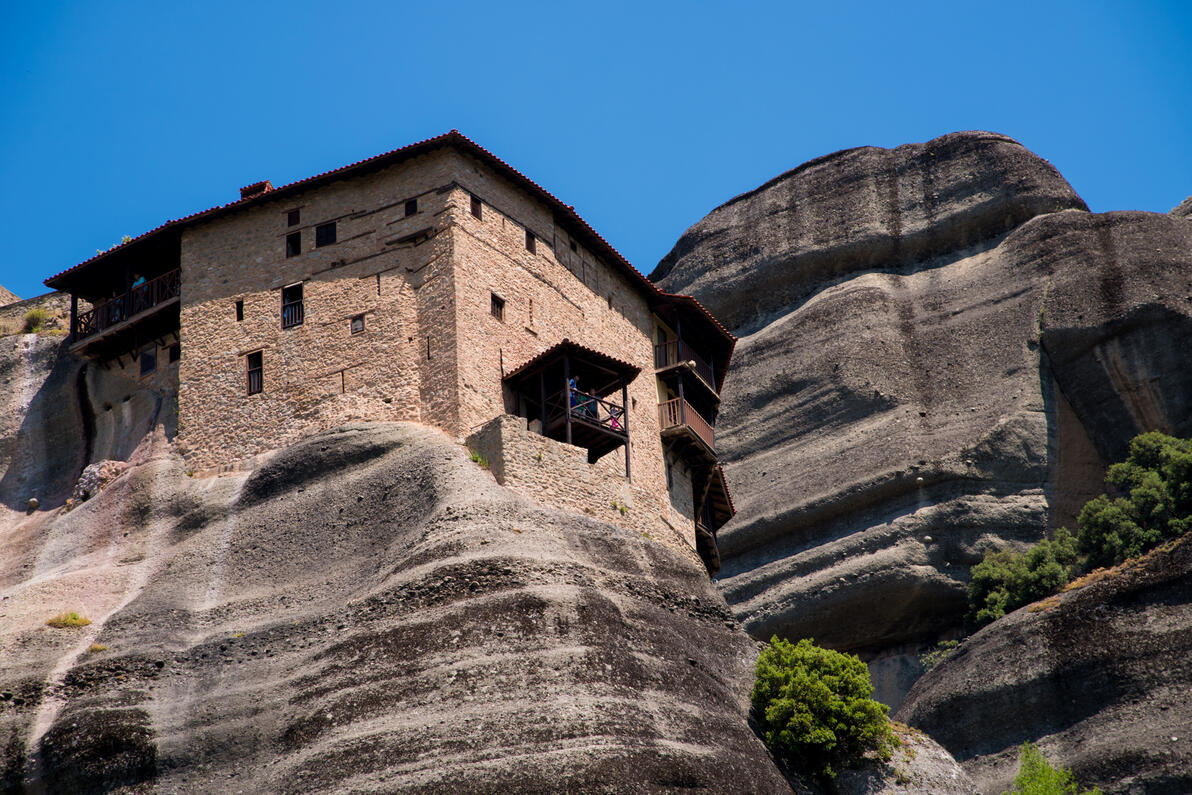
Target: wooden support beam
x: 625, y: 423
x: 567, y: 394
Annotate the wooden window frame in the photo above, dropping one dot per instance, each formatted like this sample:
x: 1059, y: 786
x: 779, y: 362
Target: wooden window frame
x: 293, y: 312
x: 496, y: 306
x: 531, y: 242
x: 325, y: 234
x: 257, y: 387
x: 148, y: 355
x: 293, y: 217
x: 293, y: 244
x: 352, y: 324
x: 411, y: 207
x: 240, y: 311
x: 477, y: 208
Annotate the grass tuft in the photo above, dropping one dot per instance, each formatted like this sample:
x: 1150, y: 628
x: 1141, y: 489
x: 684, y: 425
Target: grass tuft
x: 64, y: 620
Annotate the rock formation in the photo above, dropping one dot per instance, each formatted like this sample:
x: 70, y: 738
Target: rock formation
x: 916, y: 383
x: 1102, y: 670
x: 1183, y: 209
x: 7, y: 296
x: 367, y: 611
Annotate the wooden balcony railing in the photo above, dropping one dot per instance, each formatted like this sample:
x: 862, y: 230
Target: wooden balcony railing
x: 139, y: 299
x: 592, y: 410
x: 676, y: 352
x: 678, y: 412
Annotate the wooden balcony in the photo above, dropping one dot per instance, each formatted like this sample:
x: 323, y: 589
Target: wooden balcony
x: 123, y: 311
x: 679, y: 421
x: 677, y: 353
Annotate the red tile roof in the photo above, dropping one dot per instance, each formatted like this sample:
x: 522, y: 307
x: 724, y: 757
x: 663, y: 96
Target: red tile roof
x: 452, y: 138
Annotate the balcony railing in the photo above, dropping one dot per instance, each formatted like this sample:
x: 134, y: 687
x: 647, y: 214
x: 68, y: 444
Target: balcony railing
x: 678, y: 413
x: 676, y: 352
x: 136, y: 301
x: 593, y: 410
x: 292, y: 315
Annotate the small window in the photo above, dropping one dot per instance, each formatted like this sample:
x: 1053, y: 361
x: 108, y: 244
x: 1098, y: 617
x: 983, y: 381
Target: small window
x: 293, y: 244
x: 292, y: 218
x: 175, y: 352
x: 292, y: 313
x: 497, y: 307
x: 358, y: 324
x: 256, y: 372
x: 573, y: 246
x: 239, y: 311
x: 531, y: 242
x: 148, y: 360
x: 411, y: 207
x: 477, y: 208
x: 324, y: 234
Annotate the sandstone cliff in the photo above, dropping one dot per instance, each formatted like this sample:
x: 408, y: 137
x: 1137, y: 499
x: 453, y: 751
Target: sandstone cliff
x: 1099, y: 675
x: 7, y: 297
x: 941, y: 350
x: 367, y: 611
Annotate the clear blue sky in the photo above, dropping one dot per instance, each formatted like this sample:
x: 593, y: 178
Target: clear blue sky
x: 117, y: 116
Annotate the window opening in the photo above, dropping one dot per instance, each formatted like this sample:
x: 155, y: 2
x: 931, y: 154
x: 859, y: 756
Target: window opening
x: 239, y: 311
x: 292, y: 313
x: 531, y: 243
x: 497, y: 307
x: 148, y: 360
x: 358, y: 324
x: 573, y: 246
x: 175, y: 352
x: 324, y: 234
x: 292, y: 218
x: 293, y: 244
x: 411, y: 207
x: 477, y: 207
x: 256, y: 372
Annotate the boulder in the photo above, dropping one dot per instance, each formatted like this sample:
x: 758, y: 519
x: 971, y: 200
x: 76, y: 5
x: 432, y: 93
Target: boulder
x: 95, y: 477
x: 1098, y: 676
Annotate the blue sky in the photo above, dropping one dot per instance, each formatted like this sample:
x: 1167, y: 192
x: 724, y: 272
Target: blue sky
x: 117, y: 116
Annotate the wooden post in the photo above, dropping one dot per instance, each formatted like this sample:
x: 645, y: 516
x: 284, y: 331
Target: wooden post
x: 74, y: 316
x: 567, y: 393
x: 542, y: 397
x: 682, y: 400
x: 625, y: 422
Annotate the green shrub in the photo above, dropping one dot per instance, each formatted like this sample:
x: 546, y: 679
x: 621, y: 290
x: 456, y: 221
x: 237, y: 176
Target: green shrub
x: 1006, y: 580
x: 35, y: 320
x: 815, y: 709
x: 1155, y: 482
x: 479, y: 459
x: 942, y: 651
x: 1037, y: 777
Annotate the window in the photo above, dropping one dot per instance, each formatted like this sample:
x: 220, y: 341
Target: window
x: 175, y: 352
x: 148, y: 360
x: 477, y: 208
x: 411, y: 207
x: 292, y: 313
x: 531, y: 243
x: 292, y: 218
x: 239, y: 311
x: 256, y: 372
x: 293, y: 244
x: 573, y: 246
x: 324, y: 234
x: 497, y: 307
x: 358, y: 324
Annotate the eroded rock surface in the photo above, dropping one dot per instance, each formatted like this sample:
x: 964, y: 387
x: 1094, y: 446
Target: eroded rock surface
x: 917, y: 384
x: 1100, y: 676
x: 368, y: 611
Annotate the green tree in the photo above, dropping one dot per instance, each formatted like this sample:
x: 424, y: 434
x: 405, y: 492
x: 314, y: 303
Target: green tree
x: 1006, y: 580
x: 1155, y: 484
x: 1036, y: 776
x: 815, y: 708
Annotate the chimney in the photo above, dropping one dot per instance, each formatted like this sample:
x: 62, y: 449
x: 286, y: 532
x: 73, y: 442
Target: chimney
x: 256, y: 189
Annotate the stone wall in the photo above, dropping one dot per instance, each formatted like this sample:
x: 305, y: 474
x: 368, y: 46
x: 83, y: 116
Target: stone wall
x: 557, y: 475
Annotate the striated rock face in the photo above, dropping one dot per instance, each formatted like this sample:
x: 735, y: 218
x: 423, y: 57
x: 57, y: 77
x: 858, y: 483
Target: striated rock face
x: 919, y: 765
x: 858, y: 210
x: 1183, y: 209
x: 908, y: 404
x: 368, y: 611
x: 1100, y: 675
x: 8, y: 296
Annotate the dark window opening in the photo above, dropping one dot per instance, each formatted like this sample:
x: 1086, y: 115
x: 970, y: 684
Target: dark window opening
x: 239, y: 311
x: 573, y: 246
x: 531, y: 242
x: 497, y: 307
x: 175, y: 352
x: 292, y: 313
x: 148, y: 361
x: 477, y: 208
x: 411, y: 207
x: 293, y: 244
x: 358, y: 324
x: 256, y: 372
x: 325, y: 234
x: 292, y: 218
x: 610, y: 300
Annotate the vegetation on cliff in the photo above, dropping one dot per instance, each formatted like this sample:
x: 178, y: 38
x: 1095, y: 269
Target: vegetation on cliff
x: 815, y: 708
x: 1154, y: 505
x: 1036, y: 776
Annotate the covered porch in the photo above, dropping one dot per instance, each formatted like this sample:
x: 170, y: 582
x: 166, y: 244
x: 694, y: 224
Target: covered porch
x: 576, y: 395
